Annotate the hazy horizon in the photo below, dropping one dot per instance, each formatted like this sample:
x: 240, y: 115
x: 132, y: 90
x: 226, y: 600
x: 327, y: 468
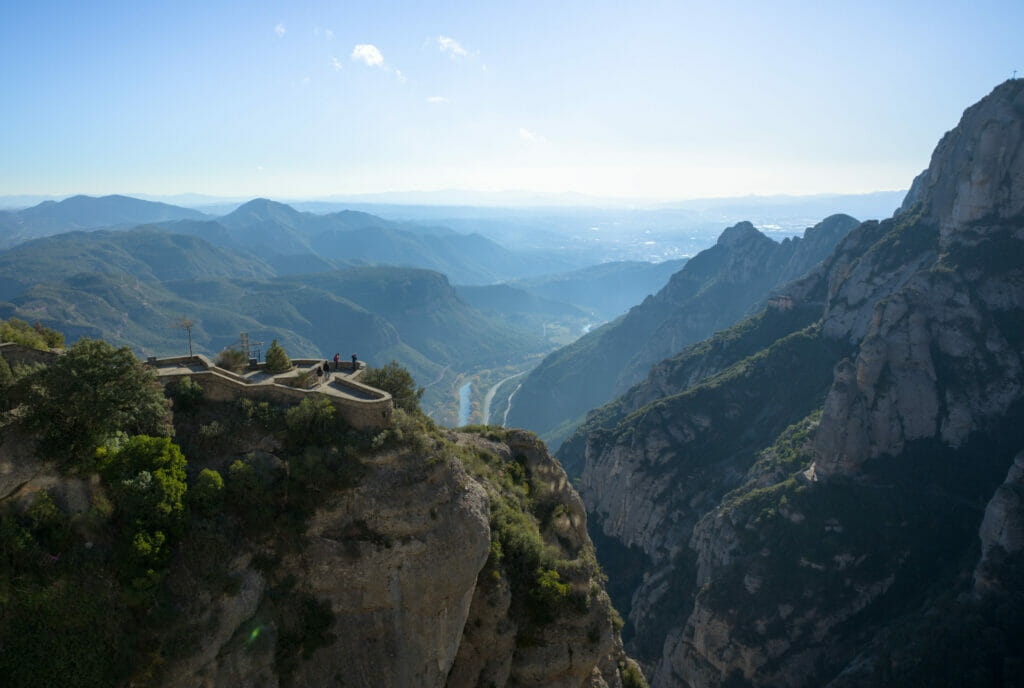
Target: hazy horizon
x: 653, y: 102
x: 509, y: 199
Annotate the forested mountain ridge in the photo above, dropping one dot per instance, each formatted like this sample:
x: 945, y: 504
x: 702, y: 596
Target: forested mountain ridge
x: 86, y: 212
x: 379, y: 313
x: 804, y: 493
x: 713, y: 289
x: 274, y: 230
x: 132, y: 286
x: 279, y: 234
x: 145, y: 253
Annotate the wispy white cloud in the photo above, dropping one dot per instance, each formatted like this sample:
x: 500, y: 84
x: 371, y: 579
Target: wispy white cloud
x: 451, y: 47
x: 368, y: 55
x: 438, y: 99
x: 259, y: 168
x: 336, y: 64
x: 279, y: 30
x: 305, y: 79
x: 329, y: 34
x: 532, y: 137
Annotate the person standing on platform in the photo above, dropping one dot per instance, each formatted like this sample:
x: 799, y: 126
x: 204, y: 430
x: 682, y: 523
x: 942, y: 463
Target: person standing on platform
x: 355, y: 364
x: 337, y: 357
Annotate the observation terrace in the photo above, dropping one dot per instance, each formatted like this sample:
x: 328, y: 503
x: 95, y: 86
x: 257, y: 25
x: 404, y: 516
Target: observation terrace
x: 360, y: 405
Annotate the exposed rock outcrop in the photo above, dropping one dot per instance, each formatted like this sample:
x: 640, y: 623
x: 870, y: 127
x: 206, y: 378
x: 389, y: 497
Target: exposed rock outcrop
x: 396, y: 578
x: 1002, y: 529
x: 786, y: 550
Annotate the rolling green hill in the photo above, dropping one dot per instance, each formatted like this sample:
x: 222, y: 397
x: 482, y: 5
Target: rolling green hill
x: 144, y: 253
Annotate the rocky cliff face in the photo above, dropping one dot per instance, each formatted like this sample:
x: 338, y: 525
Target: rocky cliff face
x: 418, y: 557
x: 713, y: 290
x: 802, y: 489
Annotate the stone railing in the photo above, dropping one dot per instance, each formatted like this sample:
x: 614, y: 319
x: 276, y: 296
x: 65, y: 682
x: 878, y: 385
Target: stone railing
x: 360, y: 405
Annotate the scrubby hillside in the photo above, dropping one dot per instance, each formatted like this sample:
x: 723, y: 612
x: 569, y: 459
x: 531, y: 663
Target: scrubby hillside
x: 172, y: 540
x: 828, y: 494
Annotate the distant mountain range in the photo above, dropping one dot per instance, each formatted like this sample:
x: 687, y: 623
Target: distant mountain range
x: 85, y: 212
x: 712, y: 291
x: 454, y: 198
x: 315, y: 282
x: 290, y: 239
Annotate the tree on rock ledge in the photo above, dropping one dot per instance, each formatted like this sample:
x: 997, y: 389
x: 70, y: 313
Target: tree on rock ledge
x: 398, y: 382
x: 277, y: 359
x: 90, y: 393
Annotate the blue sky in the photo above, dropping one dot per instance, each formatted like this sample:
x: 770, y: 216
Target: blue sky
x: 665, y: 100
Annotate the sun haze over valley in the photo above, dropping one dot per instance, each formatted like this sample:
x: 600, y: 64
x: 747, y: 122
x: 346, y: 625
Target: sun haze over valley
x: 588, y: 344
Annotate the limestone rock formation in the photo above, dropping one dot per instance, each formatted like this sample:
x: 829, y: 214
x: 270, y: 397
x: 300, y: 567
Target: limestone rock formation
x: 1002, y: 529
x: 406, y: 572
x: 801, y: 490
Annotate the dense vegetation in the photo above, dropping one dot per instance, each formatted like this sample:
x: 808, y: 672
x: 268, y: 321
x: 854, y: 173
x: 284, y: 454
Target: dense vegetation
x: 545, y: 574
x: 33, y: 336
x: 89, y: 593
x: 104, y: 590
x: 396, y: 381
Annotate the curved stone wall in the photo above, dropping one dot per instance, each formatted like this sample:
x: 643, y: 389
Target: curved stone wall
x: 361, y: 406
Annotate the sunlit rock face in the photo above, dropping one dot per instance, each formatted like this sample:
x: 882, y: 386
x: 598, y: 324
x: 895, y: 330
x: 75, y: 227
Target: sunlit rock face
x: 936, y: 357
x: 806, y: 548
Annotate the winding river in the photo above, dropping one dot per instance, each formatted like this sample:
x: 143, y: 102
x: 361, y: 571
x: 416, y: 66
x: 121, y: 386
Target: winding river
x: 464, y: 407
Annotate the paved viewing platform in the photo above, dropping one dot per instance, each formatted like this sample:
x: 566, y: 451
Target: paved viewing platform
x: 361, y: 405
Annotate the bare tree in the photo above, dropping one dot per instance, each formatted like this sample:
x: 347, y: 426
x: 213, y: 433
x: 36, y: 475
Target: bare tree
x: 186, y: 324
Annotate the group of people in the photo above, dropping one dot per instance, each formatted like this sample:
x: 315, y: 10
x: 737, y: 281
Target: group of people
x: 325, y: 369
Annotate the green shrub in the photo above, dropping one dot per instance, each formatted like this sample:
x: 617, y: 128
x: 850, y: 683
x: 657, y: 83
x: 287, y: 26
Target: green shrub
x: 259, y: 413
x: 187, y: 394
x: 277, y: 359
x: 33, y: 336
x: 631, y: 675
x: 232, y: 359
x: 89, y: 394
x: 146, y: 478
x: 313, y: 422
x: 548, y: 593
x: 208, y: 492
x: 211, y: 433
x: 398, y: 382
x: 14, y: 541
x: 246, y: 492
x: 49, y: 524
x: 6, y: 375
